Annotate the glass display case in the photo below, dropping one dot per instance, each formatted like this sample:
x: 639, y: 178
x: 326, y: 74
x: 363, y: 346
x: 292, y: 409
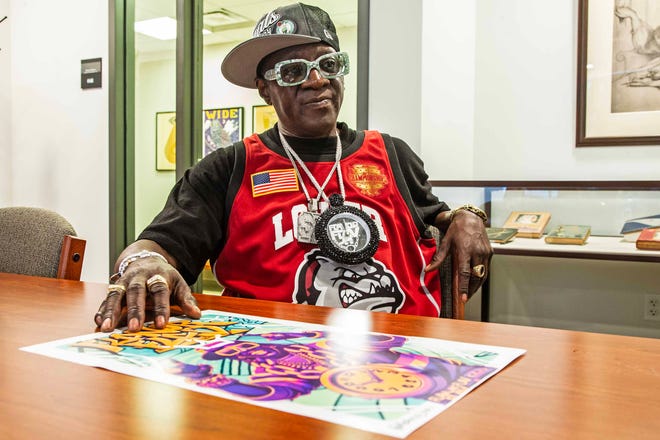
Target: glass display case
x: 604, y: 206
x: 604, y: 285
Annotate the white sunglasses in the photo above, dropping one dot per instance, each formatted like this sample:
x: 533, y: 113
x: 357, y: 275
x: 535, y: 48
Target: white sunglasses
x: 293, y: 72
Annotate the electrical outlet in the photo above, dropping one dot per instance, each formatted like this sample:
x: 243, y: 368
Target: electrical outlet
x: 652, y: 307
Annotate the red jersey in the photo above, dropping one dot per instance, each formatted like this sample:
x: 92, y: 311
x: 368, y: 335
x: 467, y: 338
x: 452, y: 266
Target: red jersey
x: 263, y: 259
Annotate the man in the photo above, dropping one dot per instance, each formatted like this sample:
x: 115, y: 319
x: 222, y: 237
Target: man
x: 310, y: 211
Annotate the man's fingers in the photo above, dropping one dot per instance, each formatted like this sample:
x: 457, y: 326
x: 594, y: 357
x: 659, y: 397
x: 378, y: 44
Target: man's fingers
x: 148, y: 287
x: 464, y: 273
x: 108, y: 315
x: 189, y: 306
x: 438, y: 258
x: 136, y: 295
x: 475, y: 284
x: 98, y: 318
x: 159, y: 289
x: 185, y: 299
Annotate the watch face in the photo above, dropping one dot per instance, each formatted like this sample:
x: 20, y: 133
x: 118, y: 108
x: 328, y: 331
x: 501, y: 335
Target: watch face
x: 346, y: 234
x: 376, y: 381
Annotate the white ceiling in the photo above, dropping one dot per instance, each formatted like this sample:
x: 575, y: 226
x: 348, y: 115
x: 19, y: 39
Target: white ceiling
x: 235, y: 21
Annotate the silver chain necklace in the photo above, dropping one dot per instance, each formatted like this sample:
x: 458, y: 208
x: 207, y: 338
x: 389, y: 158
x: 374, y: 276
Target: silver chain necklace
x: 298, y: 163
x: 306, y: 221
x: 343, y: 233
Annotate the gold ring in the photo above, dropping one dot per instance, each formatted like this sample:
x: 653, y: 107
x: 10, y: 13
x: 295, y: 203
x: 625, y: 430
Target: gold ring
x: 115, y: 289
x: 155, y: 280
x: 479, y: 271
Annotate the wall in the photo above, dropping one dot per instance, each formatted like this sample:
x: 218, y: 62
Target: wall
x: 448, y: 77
x: 525, y: 100
x: 5, y: 105
x: 59, y: 133
x: 497, y: 87
x: 395, y: 56
x: 526, y: 91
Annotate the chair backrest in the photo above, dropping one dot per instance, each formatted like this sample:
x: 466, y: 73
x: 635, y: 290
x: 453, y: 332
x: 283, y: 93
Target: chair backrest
x: 40, y: 242
x: 451, y: 306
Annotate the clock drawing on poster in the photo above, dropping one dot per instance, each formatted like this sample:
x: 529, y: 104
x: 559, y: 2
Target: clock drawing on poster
x: 377, y: 381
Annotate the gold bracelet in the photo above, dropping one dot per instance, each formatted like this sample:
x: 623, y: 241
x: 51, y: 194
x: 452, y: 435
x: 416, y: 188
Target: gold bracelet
x: 471, y: 208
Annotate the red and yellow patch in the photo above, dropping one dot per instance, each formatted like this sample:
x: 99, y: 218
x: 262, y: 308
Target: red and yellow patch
x: 370, y: 180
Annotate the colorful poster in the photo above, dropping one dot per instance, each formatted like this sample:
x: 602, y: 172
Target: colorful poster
x: 377, y: 382
x: 222, y: 127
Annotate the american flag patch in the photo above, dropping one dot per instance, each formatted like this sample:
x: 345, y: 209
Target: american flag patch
x: 273, y: 181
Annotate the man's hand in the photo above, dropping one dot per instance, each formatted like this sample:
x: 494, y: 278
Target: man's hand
x: 467, y: 239
x: 148, y: 284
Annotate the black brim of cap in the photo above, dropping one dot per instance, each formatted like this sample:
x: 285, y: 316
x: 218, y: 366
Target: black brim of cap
x: 240, y: 65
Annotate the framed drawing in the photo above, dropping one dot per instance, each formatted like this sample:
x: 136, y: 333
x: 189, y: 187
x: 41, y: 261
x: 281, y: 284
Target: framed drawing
x: 263, y: 118
x: 165, y: 141
x: 222, y: 127
x: 618, y: 84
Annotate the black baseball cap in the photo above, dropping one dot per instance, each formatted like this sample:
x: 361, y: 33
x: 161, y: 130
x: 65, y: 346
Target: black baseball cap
x: 283, y: 27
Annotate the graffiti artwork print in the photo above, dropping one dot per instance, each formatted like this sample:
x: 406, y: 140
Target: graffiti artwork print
x: 377, y: 382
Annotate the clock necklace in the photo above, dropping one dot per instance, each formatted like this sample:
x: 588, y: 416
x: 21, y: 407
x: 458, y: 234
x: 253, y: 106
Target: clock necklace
x: 343, y: 233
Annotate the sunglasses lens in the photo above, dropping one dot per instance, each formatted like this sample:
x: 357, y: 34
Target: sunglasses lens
x: 332, y: 65
x: 293, y: 73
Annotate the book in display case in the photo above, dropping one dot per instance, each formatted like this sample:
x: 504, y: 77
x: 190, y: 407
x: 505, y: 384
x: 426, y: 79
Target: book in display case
x: 501, y: 235
x: 568, y: 234
x: 633, y: 228
x: 530, y: 224
x: 649, y: 239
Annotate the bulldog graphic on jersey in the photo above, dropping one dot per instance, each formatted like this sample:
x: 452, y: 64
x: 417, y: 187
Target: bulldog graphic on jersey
x: 365, y: 286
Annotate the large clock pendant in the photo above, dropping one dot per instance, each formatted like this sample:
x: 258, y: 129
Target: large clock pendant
x: 346, y: 234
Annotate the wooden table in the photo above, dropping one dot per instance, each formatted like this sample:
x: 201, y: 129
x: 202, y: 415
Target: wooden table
x: 569, y: 384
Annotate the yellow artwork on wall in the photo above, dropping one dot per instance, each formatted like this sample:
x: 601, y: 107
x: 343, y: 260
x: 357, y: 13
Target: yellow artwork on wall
x: 263, y: 118
x: 165, y: 141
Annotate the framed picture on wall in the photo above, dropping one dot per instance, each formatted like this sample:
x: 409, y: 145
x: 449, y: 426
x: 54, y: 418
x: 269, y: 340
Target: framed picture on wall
x: 222, y: 127
x: 263, y: 118
x: 165, y: 141
x: 618, y: 84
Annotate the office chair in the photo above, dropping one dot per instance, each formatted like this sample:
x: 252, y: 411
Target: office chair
x: 39, y: 242
x: 452, y: 306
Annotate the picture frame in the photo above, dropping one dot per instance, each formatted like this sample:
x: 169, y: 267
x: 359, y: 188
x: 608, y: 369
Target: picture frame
x: 222, y: 127
x: 530, y: 224
x: 166, y: 141
x: 618, y: 88
x: 264, y: 117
